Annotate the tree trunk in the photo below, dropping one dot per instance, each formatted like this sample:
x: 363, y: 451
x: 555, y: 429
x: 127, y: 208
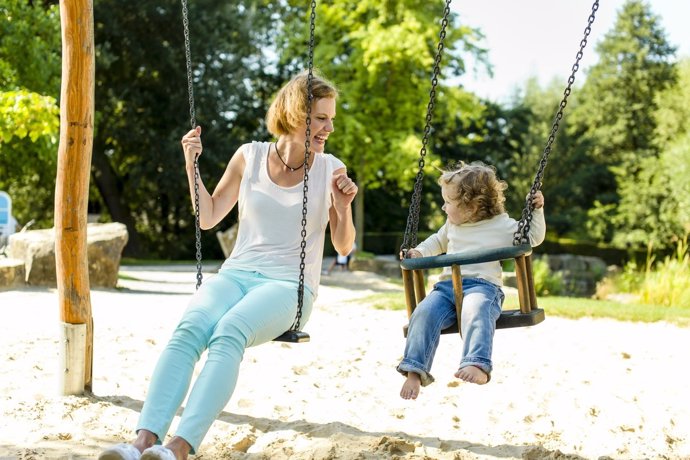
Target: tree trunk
x: 72, y: 185
x: 109, y: 187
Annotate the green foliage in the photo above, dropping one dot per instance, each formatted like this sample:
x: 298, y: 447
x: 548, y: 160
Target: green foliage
x: 142, y: 109
x: 546, y: 282
x: 673, y: 137
x: 30, y: 46
x: 381, y: 56
x: 616, y: 120
x: 668, y: 283
x: 29, y: 116
x: 665, y: 283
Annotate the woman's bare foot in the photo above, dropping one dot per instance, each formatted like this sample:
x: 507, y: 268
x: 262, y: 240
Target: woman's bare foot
x: 145, y: 439
x: 472, y: 374
x: 180, y: 447
x: 410, y: 389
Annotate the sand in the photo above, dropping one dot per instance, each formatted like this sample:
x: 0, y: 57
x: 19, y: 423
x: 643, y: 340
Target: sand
x: 564, y: 389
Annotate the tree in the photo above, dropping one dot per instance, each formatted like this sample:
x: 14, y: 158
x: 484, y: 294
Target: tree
x: 657, y: 206
x: 142, y: 108
x: 29, y: 115
x: 380, y: 54
x: 617, y: 117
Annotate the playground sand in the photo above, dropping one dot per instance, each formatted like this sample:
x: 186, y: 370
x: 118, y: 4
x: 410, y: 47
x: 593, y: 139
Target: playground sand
x: 564, y: 389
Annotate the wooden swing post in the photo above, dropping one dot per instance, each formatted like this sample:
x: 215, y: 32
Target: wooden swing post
x: 71, y: 194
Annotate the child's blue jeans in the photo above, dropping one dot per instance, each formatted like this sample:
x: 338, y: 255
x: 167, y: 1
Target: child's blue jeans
x: 481, y: 307
x: 231, y: 311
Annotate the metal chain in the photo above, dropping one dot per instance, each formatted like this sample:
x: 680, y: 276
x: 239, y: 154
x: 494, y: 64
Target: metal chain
x: 410, y: 237
x: 521, y: 234
x: 305, y: 188
x: 192, y: 122
x: 188, y: 56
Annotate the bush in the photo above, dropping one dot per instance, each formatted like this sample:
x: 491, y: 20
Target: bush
x: 668, y: 283
x: 665, y: 283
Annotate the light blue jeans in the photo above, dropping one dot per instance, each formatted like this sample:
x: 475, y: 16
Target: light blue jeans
x: 481, y: 307
x: 231, y: 311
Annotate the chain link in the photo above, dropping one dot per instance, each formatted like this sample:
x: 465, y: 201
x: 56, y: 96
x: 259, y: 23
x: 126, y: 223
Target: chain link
x: 188, y: 57
x: 307, y: 146
x: 521, y: 234
x: 410, y: 237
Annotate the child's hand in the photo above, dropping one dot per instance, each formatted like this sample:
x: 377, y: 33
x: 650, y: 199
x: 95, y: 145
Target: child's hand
x: 411, y: 254
x: 538, y: 200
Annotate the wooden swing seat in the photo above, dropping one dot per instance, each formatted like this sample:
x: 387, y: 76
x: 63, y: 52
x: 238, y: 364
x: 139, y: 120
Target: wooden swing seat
x: 529, y: 313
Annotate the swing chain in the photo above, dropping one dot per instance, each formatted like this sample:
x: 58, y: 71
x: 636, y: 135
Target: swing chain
x: 192, y: 121
x: 410, y: 237
x: 307, y: 146
x: 188, y: 56
x: 521, y: 234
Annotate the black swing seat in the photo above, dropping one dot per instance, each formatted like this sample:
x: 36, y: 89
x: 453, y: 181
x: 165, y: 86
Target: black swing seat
x: 293, y: 337
x: 529, y: 313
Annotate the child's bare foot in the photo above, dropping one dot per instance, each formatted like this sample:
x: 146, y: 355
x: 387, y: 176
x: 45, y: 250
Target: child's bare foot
x: 472, y: 374
x: 410, y: 389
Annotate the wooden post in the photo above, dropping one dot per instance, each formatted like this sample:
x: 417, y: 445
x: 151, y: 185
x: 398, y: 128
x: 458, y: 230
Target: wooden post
x: 456, y: 276
x: 72, y: 191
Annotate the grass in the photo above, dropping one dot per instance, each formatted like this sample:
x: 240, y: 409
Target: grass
x: 580, y: 307
x: 566, y: 307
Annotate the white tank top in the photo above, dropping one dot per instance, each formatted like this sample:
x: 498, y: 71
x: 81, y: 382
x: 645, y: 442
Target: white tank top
x: 269, y: 236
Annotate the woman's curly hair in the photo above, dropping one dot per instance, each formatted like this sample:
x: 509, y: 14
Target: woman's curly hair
x: 475, y: 186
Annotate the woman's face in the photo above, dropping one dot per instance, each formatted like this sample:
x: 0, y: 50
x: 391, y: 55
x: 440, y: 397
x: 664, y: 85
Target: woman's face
x: 322, y: 118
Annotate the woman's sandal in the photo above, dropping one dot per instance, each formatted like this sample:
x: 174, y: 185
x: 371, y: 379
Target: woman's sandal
x: 158, y: 453
x: 120, y: 451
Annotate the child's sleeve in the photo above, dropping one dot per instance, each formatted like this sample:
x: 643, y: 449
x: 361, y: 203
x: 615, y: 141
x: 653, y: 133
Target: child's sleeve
x: 537, y: 228
x: 436, y: 244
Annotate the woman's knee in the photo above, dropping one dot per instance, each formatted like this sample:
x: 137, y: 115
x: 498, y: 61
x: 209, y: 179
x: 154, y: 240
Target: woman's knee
x: 194, y: 328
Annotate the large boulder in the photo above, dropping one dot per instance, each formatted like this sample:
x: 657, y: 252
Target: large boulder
x: 37, y: 249
x: 11, y: 273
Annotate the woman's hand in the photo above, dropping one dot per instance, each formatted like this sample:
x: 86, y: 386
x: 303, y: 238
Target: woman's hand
x: 538, y: 200
x: 344, y: 190
x: 191, y: 145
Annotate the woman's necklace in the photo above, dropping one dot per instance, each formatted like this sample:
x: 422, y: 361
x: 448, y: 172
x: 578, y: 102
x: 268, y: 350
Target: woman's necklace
x: 275, y: 144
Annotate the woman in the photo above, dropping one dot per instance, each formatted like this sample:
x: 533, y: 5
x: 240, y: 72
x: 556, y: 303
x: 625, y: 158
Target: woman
x: 253, y: 298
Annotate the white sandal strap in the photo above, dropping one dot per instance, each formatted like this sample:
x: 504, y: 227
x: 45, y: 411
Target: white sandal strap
x: 120, y: 451
x: 158, y: 453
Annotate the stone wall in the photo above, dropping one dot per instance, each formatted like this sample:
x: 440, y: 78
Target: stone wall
x: 580, y: 273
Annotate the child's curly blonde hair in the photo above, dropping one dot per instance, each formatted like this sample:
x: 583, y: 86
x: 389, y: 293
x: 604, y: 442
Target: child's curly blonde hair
x: 475, y: 186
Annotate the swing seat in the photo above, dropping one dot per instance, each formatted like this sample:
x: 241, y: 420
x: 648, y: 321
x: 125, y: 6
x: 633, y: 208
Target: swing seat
x: 293, y: 337
x: 529, y: 313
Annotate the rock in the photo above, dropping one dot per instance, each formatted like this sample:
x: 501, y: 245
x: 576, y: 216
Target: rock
x: 11, y: 273
x: 104, y: 250
x: 227, y: 239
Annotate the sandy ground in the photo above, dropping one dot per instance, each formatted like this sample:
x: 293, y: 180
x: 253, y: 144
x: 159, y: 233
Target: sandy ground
x: 564, y: 389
